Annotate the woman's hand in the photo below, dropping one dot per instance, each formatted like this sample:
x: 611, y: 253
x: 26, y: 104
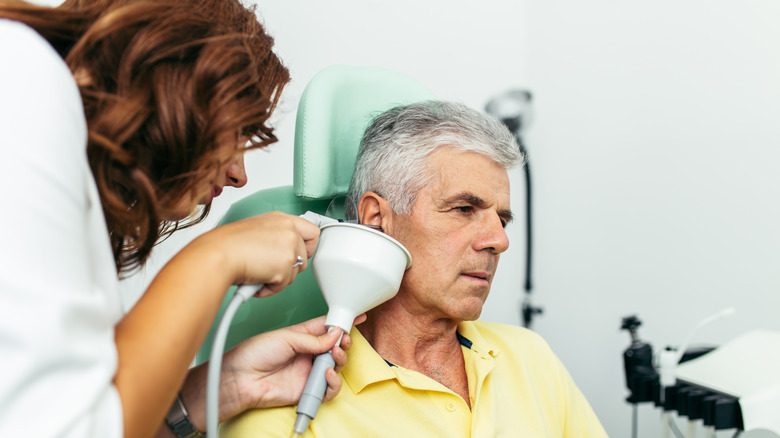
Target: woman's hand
x: 262, y: 249
x: 269, y: 369
x: 167, y: 325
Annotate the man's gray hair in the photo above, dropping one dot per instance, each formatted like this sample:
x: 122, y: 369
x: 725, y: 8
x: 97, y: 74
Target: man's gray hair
x: 393, y: 156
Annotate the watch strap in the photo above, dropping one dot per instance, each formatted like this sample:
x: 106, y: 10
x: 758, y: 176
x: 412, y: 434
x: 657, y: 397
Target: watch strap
x: 178, y: 421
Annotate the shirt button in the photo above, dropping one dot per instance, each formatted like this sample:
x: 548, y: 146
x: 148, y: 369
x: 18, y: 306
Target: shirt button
x: 451, y: 407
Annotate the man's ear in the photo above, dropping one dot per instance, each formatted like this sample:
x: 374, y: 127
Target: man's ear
x: 373, y: 210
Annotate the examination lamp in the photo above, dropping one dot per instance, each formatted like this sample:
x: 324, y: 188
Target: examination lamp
x: 513, y: 109
x: 357, y: 268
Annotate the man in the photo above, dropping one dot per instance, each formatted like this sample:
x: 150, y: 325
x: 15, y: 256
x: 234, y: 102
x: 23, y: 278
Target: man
x: 434, y: 176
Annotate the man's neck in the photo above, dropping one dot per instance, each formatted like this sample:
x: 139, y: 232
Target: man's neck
x: 408, y: 342
x: 420, y: 343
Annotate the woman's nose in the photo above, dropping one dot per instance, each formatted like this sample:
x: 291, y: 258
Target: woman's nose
x: 236, y: 174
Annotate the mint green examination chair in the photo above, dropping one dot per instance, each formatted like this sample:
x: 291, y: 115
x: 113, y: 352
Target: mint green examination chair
x: 334, y: 110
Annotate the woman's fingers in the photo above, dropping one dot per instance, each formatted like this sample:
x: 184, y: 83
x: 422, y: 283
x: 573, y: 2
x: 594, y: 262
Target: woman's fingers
x: 334, y: 384
x: 269, y: 249
x: 340, y: 357
x: 310, y: 233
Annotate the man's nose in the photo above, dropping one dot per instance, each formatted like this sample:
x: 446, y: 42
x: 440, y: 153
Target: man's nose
x: 236, y: 174
x: 493, y: 235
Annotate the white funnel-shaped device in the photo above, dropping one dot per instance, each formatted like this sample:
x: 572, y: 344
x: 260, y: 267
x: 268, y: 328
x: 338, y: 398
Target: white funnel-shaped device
x: 357, y: 269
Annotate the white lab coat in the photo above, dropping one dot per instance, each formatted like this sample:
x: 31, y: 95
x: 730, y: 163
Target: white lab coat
x: 59, y: 298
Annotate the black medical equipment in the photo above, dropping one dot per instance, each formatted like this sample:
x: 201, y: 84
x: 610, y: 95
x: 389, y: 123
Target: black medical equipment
x: 643, y: 379
x: 513, y: 109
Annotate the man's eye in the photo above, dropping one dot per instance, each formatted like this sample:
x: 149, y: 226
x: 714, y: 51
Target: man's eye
x: 465, y: 209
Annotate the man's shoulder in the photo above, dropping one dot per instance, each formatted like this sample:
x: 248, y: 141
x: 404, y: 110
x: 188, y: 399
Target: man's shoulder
x: 505, y: 339
x: 500, y: 331
x: 273, y: 422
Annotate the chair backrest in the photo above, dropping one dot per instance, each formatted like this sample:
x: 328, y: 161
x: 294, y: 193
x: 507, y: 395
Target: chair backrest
x: 335, y: 108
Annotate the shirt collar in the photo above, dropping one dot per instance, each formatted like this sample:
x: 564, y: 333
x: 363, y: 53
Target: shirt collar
x: 366, y: 367
x: 469, y: 331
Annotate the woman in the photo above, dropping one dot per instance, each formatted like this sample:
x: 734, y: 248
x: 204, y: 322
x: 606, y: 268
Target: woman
x: 117, y: 119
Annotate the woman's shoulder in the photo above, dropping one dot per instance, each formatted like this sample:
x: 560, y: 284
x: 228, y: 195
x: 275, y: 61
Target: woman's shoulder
x: 36, y: 84
x: 32, y: 67
x: 27, y: 56
x: 42, y: 123
x: 31, y: 64
x: 22, y: 48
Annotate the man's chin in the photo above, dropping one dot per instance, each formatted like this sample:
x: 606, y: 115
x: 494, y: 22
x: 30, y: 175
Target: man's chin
x: 471, y: 311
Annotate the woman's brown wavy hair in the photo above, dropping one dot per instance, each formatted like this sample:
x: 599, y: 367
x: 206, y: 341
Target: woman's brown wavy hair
x: 173, y: 90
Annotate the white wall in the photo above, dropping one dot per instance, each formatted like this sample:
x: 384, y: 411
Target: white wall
x: 655, y: 146
x: 653, y: 150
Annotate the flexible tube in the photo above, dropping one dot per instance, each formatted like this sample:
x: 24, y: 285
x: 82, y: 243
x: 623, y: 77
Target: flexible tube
x: 666, y: 428
x: 668, y: 361
x: 243, y: 293
x: 728, y: 311
x: 691, y: 429
x: 215, y: 358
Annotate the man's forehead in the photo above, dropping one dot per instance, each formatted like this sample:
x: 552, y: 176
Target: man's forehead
x: 458, y: 171
x: 459, y: 189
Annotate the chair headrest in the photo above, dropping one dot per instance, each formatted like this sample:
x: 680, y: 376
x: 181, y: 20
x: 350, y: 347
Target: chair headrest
x: 335, y: 108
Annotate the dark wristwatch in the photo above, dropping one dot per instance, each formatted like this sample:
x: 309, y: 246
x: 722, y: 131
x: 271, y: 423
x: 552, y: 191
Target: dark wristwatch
x: 178, y: 421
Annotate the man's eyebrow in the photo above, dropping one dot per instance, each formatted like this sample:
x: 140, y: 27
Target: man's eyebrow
x: 507, y: 216
x: 475, y: 201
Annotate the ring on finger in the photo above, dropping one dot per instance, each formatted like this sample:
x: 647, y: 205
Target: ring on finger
x: 298, y: 262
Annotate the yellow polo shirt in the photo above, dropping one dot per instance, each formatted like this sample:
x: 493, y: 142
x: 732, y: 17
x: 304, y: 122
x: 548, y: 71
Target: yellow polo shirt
x: 517, y: 387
